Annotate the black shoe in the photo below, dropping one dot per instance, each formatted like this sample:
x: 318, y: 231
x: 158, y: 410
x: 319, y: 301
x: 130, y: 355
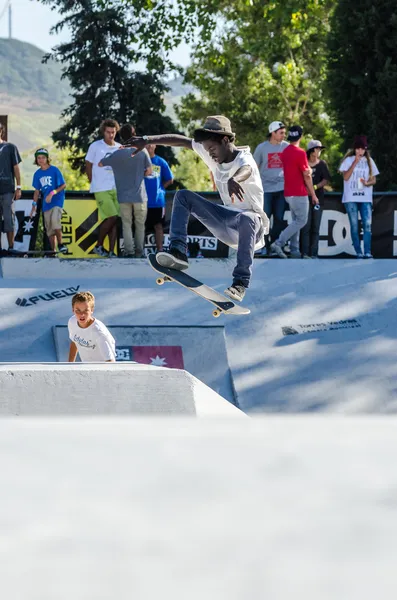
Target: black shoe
x: 62, y: 249
x: 236, y: 291
x: 173, y: 259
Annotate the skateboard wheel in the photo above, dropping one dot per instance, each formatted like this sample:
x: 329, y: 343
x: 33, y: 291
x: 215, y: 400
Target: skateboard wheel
x: 216, y: 313
x: 159, y: 281
x: 167, y: 278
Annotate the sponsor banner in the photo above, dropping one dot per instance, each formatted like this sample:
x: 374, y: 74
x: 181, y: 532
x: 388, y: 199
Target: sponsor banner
x: 48, y: 297
x: 80, y: 228
x: 335, y: 240
x: 161, y: 356
x: 327, y: 326
x: 25, y: 228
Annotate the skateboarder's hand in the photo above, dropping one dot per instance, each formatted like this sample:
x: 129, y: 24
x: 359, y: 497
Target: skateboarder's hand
x: 235, y: 190
x: 136, y: 142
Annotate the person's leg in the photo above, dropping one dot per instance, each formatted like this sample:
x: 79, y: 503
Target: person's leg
x: 53, y: 242
x: 159, y: 236
x: 352, y: 213
x: 49, y: 228
x: 108, y: 211
x: 211, y: 215
x: 315, y: 231
x: 112, y: 234
x: 140, y: 214
x: 365, y: 209
x: 268, y: 209
x: 126, y: 209
x: 278, y: 214
x: 299, y: 208
x: 248, y: 226
x: 305, y: 234
x: 8, y: 216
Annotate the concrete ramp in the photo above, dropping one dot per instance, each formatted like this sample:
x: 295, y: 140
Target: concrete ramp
x: 200, y: 350
x: 106, y: 389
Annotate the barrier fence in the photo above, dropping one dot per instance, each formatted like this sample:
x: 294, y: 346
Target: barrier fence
x: 80, y: 227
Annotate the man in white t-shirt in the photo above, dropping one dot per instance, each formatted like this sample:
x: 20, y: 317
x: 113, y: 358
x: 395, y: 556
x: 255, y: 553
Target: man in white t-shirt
x: 103, y: 185
x: 89, y: 337
x: 241, y: 222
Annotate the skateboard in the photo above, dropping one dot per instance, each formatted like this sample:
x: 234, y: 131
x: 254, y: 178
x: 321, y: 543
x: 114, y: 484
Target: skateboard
x: 29, y: 253
x: 221, y: 303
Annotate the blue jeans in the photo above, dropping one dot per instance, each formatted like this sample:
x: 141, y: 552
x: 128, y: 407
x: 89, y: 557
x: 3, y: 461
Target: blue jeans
x: 365, y: 209
x: 274, y: 204
x: 234, y: 228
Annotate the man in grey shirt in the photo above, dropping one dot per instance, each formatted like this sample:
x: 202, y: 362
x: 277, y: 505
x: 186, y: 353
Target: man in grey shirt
x: 9, y: 175
x: 131, y: 192
x: 268, y: 158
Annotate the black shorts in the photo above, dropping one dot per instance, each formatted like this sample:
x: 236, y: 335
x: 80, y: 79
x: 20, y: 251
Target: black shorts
x: 154, y: 217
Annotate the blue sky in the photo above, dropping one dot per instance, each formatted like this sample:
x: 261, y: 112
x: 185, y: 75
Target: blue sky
x: 32, y: 22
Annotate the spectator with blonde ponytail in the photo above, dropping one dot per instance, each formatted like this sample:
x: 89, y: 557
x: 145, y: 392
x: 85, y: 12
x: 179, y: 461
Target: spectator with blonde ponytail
x: 359, y: 174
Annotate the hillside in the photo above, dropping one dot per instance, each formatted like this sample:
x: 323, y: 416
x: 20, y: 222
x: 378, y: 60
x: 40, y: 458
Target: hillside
x: 33, y: 95
x: 23, y: 75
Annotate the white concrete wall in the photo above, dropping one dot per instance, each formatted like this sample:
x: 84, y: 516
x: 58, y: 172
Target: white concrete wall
x: 275, y: 508
x: 99, y: 389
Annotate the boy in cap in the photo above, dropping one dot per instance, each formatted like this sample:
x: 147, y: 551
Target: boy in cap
x: 297, y: 184
x: 241, y: 222
x: 50, y: 182
x: 268, y: 158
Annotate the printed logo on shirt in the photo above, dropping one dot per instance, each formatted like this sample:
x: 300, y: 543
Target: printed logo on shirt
x: 274, y: 160
x: 83, y: 342
x: 46, y: 180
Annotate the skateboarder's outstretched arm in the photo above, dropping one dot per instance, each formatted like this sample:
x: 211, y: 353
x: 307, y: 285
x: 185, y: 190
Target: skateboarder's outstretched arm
x: 166, y: 139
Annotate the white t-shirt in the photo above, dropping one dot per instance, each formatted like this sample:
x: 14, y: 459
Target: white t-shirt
x: 353, y: 189
x: 102, y: 177
x: 94, y: 343
x: 252, y: 187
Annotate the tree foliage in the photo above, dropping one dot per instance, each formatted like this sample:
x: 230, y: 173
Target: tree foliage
x: 192, y: 172
x: 264, y: 62
x: 98, y: 62
x: 362, y: 78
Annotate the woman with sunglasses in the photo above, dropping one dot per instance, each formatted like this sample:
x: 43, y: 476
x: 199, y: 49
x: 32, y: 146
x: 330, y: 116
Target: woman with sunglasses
x: 359, y: 176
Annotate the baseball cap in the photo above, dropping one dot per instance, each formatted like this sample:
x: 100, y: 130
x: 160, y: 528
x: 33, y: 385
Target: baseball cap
x: 295, y: 133
x: 315, y: 144
x: 275, y: 126
x: 43, y: 151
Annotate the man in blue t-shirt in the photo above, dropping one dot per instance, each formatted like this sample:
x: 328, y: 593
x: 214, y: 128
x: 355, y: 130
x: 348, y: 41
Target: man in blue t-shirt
x: 156, y: 185
x: 48, y: 180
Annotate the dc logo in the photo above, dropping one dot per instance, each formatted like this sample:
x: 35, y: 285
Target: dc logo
x: 335, y: 226
x: 335, y: 229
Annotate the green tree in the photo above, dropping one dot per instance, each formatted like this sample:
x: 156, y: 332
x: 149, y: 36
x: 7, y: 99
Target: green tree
x: 362, y: 78
x: 265, y: 61
x: 97, y: 61
x: 192, y: 172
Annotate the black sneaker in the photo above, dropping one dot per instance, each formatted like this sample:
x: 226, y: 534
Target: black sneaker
x: 62, y: 249
x: 173, y: 259
x: 236, y: 291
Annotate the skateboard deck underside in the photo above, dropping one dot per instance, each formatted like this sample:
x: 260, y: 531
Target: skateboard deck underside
x: 204, y: 291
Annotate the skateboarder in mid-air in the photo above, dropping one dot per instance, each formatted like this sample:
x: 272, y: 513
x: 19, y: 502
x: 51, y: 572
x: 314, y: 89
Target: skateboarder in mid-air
x: 240, y: 222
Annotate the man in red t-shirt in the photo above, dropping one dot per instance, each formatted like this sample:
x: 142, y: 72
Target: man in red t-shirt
x: 297, y: 183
